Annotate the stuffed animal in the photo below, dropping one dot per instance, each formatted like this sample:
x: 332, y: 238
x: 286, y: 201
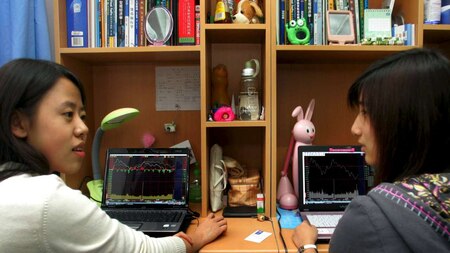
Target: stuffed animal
x: 304, y: 133
x: 247, y: 12
x: 298, y: 32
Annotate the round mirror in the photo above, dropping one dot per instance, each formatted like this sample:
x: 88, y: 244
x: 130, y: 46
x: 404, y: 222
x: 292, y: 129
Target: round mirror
x: 158, y: 25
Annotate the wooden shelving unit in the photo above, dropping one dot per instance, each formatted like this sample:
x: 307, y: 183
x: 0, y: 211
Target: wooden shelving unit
x: 290, y: 76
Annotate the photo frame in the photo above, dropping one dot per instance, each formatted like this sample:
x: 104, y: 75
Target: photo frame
x: 340, y: 27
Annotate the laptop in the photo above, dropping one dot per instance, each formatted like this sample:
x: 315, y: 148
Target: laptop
x: 329, y: 178
x: 147, y: 182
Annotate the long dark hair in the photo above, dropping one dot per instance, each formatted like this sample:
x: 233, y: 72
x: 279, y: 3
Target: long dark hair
x: 23, y: 83
x: 407, y: 99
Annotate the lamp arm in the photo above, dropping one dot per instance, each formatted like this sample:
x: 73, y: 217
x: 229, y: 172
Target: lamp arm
x: 95, y: 154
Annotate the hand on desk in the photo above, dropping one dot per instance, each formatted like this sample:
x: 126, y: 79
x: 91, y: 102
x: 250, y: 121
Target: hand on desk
x: 304, y: 233
x: 208, y: 230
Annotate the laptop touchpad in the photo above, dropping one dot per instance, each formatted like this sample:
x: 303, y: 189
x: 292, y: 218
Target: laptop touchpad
x: 135, y: 226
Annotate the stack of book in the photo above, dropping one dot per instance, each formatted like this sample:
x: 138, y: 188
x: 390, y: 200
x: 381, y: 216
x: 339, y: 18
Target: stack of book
x: 120, y: 23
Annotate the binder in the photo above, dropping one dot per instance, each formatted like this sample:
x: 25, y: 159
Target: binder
x: 377, y: 23
x: 77, y: 23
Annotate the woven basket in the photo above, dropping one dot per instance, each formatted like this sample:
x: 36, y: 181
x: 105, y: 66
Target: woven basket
x: 243, y: 189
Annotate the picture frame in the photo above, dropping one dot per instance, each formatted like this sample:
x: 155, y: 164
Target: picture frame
x: 340, y: 27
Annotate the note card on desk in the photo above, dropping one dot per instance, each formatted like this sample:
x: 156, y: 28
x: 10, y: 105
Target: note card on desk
x: 377, y: 23
x: 257, y: 236
x: 177, y: 88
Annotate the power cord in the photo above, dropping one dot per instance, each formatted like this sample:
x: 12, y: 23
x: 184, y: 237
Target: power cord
x: 193, y: 215
x: 263, y: 218
x: 86, y: 178
x: 281, y: 234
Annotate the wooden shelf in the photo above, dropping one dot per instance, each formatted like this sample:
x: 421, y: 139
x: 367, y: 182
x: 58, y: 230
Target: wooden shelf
x: 333, y: 54
x: 436, y: 34
x: 133, y: 54
x: 235, y: 33
x: 238, y: 123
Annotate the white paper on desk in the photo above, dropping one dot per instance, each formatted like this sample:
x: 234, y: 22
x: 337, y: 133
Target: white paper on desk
x: 258, y: 236
x: 177, y: 88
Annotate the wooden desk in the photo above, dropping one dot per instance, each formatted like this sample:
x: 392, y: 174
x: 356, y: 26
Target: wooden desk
x: 240, y: 228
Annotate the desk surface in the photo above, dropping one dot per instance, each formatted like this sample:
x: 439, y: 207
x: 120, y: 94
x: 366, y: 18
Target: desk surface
x: 240, y: 228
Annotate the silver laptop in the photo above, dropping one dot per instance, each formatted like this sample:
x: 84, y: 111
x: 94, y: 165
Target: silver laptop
x: 147, y: 189
x: 329, y: 178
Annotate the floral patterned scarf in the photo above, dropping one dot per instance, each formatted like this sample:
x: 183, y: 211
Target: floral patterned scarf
x: 432, y: 189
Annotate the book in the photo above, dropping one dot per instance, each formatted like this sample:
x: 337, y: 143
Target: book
x: 362, y: 7
x: 186, y: 22
x: 282, y: 21
x: 142, y: 12
x: 112, y: 23
x: 99, y: 24
x: 131, y: 22
x: 310, y: 20
x: 77, y: 23
x: 120, y: 23
x: 91, y: 23
x: 197, y: 24
x: 355, y: 16
x: 105, y: 4
x: 318, y: 19
x: 331, y: 5
x: 357, y: 22
x: 127, y: 22
x: 410, y: 34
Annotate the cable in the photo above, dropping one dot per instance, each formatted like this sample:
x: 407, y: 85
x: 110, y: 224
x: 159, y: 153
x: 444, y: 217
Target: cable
x: 83, y: 181
x: 281, y: 234
x: 276, y: 240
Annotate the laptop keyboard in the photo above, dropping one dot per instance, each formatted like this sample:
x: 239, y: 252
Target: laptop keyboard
x: 145, y: 215
x: 324, y: 220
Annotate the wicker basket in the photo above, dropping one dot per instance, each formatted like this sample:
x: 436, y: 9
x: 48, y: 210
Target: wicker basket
x: 243, y: 189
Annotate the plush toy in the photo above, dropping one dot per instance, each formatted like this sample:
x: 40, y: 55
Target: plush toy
x: 224, y: 113
x: 304, y: 133
x: 298, y: 32
x: 247, y: 12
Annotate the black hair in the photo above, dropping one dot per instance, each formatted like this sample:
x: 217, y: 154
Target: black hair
x: 23, y: 83
x: 407, y: 99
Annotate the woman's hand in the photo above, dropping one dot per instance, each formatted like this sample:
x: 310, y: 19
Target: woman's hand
x: 304, y: 233
x: 208, y: 230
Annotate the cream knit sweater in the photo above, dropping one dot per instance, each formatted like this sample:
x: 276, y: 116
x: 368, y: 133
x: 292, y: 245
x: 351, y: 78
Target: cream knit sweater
x: 42, y: 214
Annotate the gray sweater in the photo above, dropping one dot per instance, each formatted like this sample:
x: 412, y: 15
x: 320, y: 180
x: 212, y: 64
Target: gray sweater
x: 407, y: 216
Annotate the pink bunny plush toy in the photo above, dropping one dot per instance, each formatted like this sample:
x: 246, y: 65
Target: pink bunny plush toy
x: 304, y: 133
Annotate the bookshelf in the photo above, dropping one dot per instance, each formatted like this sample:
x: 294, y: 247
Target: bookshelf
x: 324, y: 72
x: 290, y: 75
x: 125, y: 77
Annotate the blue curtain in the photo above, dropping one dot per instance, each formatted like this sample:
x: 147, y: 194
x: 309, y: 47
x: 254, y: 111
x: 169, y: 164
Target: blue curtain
x: 23, y: 30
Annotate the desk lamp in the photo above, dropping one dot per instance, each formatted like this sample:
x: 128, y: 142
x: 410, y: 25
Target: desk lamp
x: 112, y: 120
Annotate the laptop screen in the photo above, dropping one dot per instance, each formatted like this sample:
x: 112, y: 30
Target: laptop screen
x: 331, y: 176
x: 151, y: 177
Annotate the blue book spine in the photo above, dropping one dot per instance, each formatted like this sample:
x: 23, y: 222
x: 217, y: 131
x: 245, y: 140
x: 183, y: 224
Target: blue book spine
x: 136, y: 22
x: 409, y: 35
x: 301, y: 10
x: 282, y: 22
x: 127, y: 22
x: 98, y: 24
x: 77, y: 23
